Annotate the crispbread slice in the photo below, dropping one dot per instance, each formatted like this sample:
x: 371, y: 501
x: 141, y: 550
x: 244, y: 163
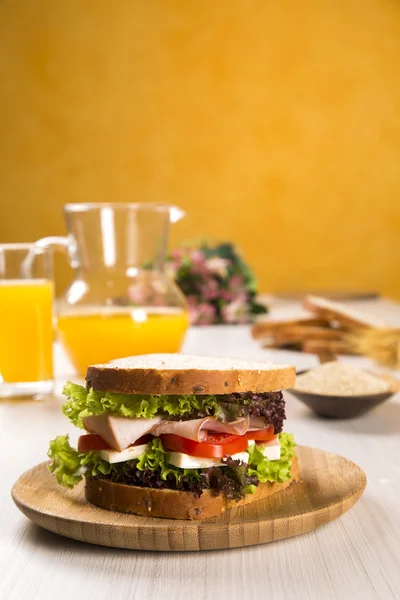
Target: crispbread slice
x: 341, y: 313
x: 182, y: 374
x: 262, y: 329
x: 333, y: 346
x: 297, y: 334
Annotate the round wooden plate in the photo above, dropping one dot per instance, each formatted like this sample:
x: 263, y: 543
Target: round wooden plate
x: 330, y: 486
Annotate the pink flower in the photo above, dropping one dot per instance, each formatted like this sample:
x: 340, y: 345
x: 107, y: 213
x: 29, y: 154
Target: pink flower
x: 201, y: 313
x: 236, y: 283
x: 197, y: 257
x: 178, y: 254
x: 209, y: 290
x: 197, y: 263
x: 237, y: 311
x: 218, y: 266
x: 226, y: 295
x: 206, y: 314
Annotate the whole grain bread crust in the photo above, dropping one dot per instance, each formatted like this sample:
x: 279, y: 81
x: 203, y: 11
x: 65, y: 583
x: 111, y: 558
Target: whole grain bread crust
x: 171, y: 504
x: 188, y: 381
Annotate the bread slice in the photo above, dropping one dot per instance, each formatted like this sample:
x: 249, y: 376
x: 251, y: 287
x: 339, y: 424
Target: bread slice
x: 182, y: 374
x: 263, y: 329
x: 341, y: 313
x: 332, y: 346
x: 295, y: 334
x: 171, y: 504
x: 302, y: 332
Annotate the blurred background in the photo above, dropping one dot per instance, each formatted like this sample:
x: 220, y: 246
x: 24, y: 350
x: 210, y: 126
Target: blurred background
x: 273, y: 124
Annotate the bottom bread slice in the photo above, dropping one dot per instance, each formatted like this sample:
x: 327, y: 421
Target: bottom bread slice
x: 172, y: 504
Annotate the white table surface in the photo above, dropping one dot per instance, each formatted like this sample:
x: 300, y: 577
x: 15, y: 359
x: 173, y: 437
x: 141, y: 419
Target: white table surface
x: 355, y: 557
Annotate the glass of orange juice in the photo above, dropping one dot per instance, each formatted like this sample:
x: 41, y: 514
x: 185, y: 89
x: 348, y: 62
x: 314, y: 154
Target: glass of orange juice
x: 26, y: 321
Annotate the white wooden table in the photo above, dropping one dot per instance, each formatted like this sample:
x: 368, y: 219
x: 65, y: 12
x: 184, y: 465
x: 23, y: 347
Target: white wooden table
x: 355, y: 557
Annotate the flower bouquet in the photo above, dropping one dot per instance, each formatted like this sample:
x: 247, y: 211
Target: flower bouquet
x: 219, y: 286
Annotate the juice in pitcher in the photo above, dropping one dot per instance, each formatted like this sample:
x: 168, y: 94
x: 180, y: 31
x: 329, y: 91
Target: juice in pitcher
x: 91, y: 338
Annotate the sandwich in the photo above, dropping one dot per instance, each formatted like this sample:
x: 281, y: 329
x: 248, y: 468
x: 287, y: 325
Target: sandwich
x: 175, y: 436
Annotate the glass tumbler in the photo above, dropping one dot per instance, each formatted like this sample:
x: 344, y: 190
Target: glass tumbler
x: 26, y: 321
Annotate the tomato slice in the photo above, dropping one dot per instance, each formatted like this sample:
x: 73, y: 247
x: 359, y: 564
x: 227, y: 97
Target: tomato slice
x: 92, y: 441
x: 145, y: 439
x: 262, y: 435
x: 217, y: 445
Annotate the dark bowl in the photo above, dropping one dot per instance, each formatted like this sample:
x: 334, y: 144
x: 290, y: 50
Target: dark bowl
x: 345, y: 407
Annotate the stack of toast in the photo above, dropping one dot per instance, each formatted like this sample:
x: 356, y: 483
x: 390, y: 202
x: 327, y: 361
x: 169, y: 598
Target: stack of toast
x: 322, y: 328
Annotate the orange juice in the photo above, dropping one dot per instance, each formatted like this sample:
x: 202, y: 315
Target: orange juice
x: 26, y: 330
x: 91, y: 338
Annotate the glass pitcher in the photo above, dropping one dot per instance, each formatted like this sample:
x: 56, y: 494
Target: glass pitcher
x: 121, y: 301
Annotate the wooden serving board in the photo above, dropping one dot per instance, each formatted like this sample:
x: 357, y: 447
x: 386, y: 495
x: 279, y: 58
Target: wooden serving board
x: 330, y: 486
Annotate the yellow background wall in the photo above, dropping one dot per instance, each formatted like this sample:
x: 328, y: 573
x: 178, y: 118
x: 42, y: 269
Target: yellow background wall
x: 274, y: 123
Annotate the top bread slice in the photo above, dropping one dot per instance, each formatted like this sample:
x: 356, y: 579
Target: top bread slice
x: 181, y: 374
x: 341, y: 313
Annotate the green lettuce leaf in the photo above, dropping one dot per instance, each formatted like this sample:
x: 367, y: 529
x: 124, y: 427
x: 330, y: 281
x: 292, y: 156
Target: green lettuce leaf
x: 70, y: 466
x: 81, y: 403
x: 76, y: 402
x: 272, y: 470
x: 156, y: 459
x: 183, y: 405
x: 234, y: 480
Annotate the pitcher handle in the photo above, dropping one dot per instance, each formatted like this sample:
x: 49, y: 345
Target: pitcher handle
x: 48, y: 243
x: 54, y: 242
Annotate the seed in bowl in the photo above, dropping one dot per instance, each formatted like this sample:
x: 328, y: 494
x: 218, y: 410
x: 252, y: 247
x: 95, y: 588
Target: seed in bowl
x: 340, y: 379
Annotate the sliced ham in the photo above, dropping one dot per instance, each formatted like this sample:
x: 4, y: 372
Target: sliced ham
x: 256, y: 423
x: 119, y: 432
x: 196, y: 429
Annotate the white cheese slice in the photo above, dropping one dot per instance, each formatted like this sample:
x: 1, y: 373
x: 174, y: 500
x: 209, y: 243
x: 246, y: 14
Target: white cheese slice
x: 185, y: 461
x: 113, y: 456
x: 271, y: 450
